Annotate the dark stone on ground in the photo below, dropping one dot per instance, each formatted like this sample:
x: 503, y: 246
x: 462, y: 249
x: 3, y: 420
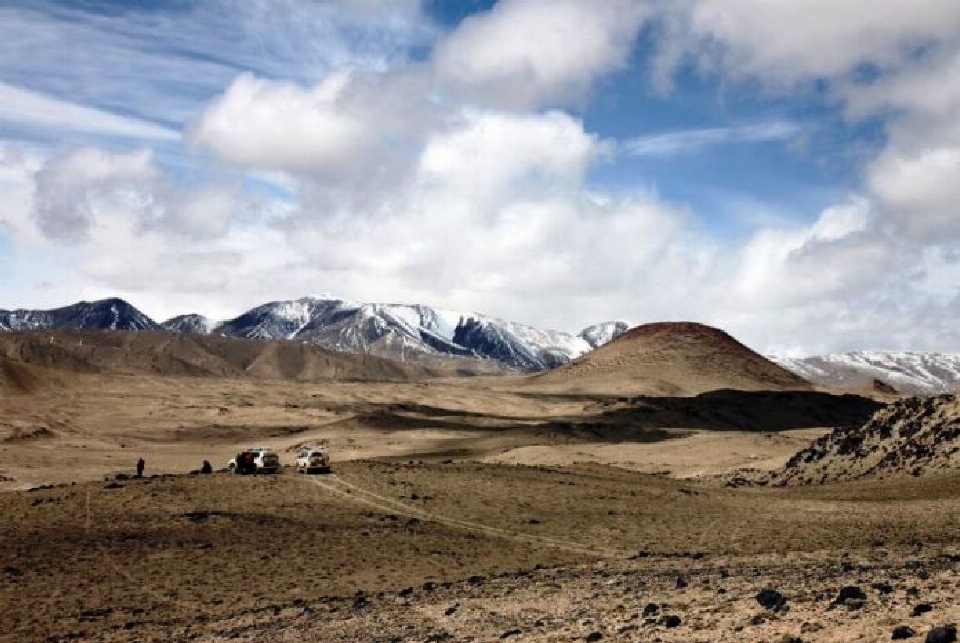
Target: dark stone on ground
x: 771, y: 599
x: 921, y: 608
x: 671, y: 621
x: 942, y: 634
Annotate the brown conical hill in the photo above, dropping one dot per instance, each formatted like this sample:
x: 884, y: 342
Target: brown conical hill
x: 671, y: 358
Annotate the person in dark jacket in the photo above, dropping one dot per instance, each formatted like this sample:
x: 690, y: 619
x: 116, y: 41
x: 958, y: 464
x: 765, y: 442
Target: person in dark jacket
x: 140, y: 466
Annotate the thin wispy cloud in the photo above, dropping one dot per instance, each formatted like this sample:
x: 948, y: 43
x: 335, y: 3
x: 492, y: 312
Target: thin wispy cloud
x: 24, y: 108
x: 696, y: 140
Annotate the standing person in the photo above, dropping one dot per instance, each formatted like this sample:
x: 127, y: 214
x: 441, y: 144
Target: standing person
x: 140, y: 465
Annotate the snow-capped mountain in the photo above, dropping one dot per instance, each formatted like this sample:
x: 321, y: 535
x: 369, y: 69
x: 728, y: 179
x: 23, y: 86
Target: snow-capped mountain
x: 914, y: 373
x: 106, y: 314
x: 395, y: 331
x: 400, y: 331
x: 600, y: 334
x: 197, y: 324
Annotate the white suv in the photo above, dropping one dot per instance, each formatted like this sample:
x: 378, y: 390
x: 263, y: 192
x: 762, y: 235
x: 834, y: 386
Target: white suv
x: 313, y: 460
x: 255, y: 460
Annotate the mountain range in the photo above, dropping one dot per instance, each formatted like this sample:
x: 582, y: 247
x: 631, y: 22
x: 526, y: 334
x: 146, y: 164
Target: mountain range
x: 419, y: 333
x: 401, y: 332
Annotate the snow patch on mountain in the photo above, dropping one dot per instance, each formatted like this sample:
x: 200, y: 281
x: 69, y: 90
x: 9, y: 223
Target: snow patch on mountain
x: 603, y: 333
x: 106, y: 314
x: 195, y: 324
x: 908, y: 372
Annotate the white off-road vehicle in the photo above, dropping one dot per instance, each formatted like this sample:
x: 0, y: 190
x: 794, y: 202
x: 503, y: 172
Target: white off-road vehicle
x: 313, y: 460
x: 255, y: 460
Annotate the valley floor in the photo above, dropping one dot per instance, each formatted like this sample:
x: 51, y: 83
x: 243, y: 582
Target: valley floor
x: 457, y: 510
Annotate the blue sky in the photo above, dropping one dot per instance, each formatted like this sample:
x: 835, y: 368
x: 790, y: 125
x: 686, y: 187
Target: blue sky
x: 735, y: 162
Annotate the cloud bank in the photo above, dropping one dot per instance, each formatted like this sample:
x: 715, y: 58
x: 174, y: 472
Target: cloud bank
x: 458, y: 168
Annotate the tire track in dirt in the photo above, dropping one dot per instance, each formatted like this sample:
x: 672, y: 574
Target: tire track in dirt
x: 340, y: 487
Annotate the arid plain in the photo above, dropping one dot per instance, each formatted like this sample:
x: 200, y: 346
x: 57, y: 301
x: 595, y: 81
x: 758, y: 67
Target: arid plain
x: 620, y: 498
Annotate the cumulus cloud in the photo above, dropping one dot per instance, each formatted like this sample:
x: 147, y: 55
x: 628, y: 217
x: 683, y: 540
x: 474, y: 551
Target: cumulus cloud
x: 464, y: 180
x: 72, y: 188
x: 531, y: 52
x: 788, y: 41
x: 280, y: 125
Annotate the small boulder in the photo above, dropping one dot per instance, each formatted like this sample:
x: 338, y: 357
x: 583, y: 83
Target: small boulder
x: 851, y: 596
x: 921, y: 608
x: 942, y: 634
x: 771, y: 599
x: 902, y: 632
x: 671, y: 621
x: 593, y: 637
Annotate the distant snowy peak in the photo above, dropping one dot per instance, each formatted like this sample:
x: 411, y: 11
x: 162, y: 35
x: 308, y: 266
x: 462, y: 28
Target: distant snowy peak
x: 914, y: 373
x: 398, y: 330
x: 194, y: 324
x: 603, y: 333
x: 106, y: 314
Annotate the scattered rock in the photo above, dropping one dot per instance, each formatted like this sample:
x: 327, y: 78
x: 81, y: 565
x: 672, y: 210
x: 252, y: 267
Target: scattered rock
x: 450, y: 611
x: 942, y: 634
x: 592, y: 637
x: 406, y: 592
x: 682, y: 582
x: 650, y: 609
x: 771, y: 599
x: 671, y: 621
x: 851, y: 596
x: 883, y: 588
x: 902, y: 632
x: 509, y: 633
x: 921, y: 608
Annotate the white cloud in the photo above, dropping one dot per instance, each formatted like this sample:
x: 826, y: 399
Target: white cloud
x: 23, y: 107
x: 690, y: 141
x: 920, y: 191
x: 531, y: 52
x: 837, y: 256
x: 491, y: 152
x: 784, y: 41
x: 451, y: 182
x: 278, y: 125
x: 72, y: 188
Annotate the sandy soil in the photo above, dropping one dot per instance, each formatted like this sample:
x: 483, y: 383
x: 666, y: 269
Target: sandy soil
x: 691, y: 454
x: 458, y: 510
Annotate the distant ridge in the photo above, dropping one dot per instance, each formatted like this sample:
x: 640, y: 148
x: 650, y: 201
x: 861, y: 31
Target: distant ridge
x: 673, y: 358
x: 416, y: 333
x: 172, y: 354
x: 908, y: 372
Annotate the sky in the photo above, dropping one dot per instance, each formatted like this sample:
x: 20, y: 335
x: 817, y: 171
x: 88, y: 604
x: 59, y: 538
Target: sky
x: 749, y: 164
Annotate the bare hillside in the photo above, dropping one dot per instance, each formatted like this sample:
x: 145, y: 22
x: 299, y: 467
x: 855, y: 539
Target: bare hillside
x: 915, y: 436
x: 672, y: 358
x: 17, y: 377
x: 166, y: 354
